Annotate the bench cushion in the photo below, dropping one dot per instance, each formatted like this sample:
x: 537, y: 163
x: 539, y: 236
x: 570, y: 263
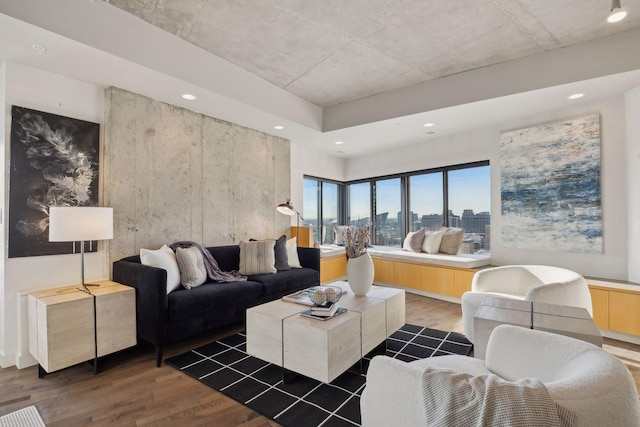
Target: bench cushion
x: 460, y: 260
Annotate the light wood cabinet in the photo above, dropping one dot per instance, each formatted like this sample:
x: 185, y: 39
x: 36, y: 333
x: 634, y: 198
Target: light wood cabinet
x: 616, y: 309
x: 624, y: 312
x: 333, y: 268
x: 437, y: 280
x: 600, y: 307
x: 443, y: 280
x: 305, y: 236
x: 383, y: 270
x: 462, y: 282
x: 68, y: 326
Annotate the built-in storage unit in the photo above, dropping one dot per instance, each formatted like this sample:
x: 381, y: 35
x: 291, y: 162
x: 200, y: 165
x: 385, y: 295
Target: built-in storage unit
x: 68, y: 326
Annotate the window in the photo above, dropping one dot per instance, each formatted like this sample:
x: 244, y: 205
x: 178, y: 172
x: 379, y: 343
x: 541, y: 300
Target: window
x: 360, y: 204
x: 470, y: 206
x: 425, y: 201
x: 329, y: 211
x: 322, y: 207
x: 452, y: 196
x: 388, y: 212
x: 310, y: 211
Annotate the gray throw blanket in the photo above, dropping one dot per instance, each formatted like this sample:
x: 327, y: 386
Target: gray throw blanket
x: 462, y: 400
x: 213, y: 270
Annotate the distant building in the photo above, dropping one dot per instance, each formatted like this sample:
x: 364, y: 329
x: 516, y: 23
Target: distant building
x: 475, y: 223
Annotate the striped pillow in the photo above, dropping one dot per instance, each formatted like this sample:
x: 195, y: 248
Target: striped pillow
x: 191, y: 264
x: 257, y: 257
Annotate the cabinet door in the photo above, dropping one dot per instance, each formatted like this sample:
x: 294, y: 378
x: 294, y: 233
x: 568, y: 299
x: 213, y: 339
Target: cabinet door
x: 623, y: 312
x: 383, y: 270
x: 462, y: 282
x: 333, y: 268
x: 65, y: 333
x: 437, y: 280
x: 407, y: 274
x: 600, y: 305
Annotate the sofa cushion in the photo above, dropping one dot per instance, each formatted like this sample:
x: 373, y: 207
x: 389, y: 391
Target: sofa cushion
x: 257, y: 257
x: 291, y: 280
x: 432, y: 241
x: 191, y: 264
x: 340, y: 231
x: 452, y: 241
x: 292, y: 253
x: 210, y: 296
x: 281, y: 254
x: 163, y: 258
x: 413, y: 241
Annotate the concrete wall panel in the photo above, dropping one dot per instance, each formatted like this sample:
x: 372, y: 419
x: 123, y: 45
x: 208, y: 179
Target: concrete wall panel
x: 180, y: 175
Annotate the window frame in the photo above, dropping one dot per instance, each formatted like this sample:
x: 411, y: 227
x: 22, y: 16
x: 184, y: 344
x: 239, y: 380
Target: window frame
x: 405, y: 195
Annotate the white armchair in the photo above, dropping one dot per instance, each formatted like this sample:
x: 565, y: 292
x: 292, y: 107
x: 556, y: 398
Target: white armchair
x: 581, y: 377
x: 540, y: 283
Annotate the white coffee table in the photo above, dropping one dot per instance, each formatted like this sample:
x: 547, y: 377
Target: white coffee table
x: 277, y: 333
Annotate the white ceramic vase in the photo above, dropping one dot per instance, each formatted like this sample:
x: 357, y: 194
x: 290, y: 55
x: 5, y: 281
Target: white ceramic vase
x: 360, y: 274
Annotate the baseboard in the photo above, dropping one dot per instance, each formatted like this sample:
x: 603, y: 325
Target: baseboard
x: 7, y: 360
x: 419, y: 292
x: 619, y: 336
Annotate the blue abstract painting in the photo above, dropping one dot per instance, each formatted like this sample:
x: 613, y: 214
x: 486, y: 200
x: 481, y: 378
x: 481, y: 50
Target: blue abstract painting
x: 550, y: 186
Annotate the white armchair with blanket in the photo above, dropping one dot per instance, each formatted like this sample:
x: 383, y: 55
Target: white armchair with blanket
x: 527, y: 374
x: 540, y: 283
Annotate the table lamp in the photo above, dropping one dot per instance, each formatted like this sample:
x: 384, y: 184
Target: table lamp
x: 80, y: 224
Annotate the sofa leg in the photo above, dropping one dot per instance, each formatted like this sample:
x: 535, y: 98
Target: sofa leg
x: 158, y: 356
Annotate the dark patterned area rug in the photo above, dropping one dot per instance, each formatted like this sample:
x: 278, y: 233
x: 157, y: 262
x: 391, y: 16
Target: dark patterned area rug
x: 225, y: 366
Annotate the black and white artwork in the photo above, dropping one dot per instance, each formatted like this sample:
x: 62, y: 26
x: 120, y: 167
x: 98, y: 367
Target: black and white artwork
x: 54, y: 162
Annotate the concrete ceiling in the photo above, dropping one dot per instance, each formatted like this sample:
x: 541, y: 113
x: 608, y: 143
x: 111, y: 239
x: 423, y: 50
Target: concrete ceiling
x: 330, y: 52
x: 369, y: 73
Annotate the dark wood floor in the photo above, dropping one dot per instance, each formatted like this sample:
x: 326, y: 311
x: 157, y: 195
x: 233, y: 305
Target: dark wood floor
x: 130, y: 391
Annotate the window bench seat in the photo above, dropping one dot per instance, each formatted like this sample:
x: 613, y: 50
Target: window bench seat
x: 459, y: 261
x: 438, y: 275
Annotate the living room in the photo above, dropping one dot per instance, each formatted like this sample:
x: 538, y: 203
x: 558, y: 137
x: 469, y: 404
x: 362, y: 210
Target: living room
x: 135, y: 186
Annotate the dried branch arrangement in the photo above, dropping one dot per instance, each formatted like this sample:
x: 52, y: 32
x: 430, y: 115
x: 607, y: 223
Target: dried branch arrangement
x: 357, y: 240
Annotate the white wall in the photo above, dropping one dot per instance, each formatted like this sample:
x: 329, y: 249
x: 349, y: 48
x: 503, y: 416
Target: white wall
x: 632, y: 107
x: 3, y: 144
x: 39, y: 90
x: 483, y: 144
x: 305, y: 161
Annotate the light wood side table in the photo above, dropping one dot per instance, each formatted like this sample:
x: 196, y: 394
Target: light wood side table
x: 68, y: 326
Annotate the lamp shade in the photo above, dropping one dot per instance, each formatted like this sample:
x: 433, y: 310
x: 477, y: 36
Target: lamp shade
x: 286, y: 208
x: 74, y: 224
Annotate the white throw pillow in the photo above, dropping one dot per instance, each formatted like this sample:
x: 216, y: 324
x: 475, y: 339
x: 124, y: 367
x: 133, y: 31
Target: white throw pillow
x: 432, y: 240
x: 292, y: 251
x: 166, y: 259
x: 191, y: 264
x: 413, y: 241
x: 257, y: 257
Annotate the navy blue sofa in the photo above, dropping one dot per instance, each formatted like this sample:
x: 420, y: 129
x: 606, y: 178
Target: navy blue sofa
x: 165, y: 319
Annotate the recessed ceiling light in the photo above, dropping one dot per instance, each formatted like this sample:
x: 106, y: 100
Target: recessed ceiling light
x: 339, y: 142
x: 428, y: 125
x: 188, y: 96
x: 341, y: 152
x: 39, y: 48
x: 575, y: 96
x: 279, y: 127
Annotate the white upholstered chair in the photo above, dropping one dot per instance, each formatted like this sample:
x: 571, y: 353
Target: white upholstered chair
x: 540, y: 283
x: 581, y: 377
